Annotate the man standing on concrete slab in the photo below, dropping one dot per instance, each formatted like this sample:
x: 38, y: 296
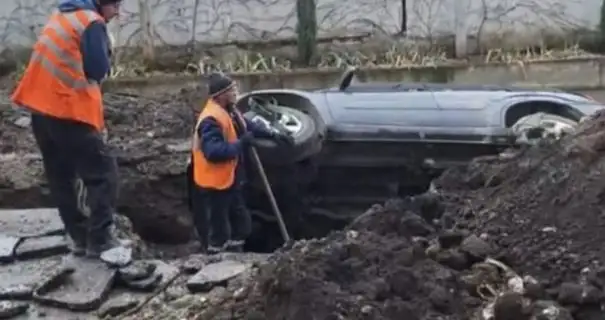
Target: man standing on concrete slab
x: 217, y: 170
x: 61, y: 88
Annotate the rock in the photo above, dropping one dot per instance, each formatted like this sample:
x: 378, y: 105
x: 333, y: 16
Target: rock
x: 511, y: 306
x: 193, y: 265
x: 117, y: 305
x: 453, y: 259
x: 24, y: 223
x: 215, y: 274
x: 117, y: 257
x: 440, y: 299
x: 147, y: 284
x: 175, y: 292
x: 16, y: 292
x: 413, y: 225
x: 40, y: 247
x: 7, y: 248
x: 138, y: 270
x: 10, y: 309
x: 450, y: 238
x: 573, y: 293
x: 30, y: 273
x: 549, y: 310
x: 533, y: 289
x: 86, y: 289
x: 476, y: 247
x: 23, y: 122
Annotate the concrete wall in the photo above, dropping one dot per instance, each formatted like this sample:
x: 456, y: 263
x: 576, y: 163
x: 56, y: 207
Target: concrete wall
x: 221, y: 20
x: 573, y: 74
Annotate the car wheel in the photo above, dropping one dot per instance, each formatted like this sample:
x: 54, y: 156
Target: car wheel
x: 541, y: 126
x: 307, y: 139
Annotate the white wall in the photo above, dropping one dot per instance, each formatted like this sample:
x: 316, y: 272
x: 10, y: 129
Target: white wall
x: 220, y: 20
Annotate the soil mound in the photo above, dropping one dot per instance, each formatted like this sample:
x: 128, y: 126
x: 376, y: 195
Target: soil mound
x: 543, y: 207
x: 365, y: 272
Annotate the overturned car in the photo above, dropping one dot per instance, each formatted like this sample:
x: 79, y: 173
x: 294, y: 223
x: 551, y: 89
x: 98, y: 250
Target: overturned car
x: 359, y: 143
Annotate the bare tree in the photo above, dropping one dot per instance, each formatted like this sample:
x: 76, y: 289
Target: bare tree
x: 147, y: 42
x: 196, y: 5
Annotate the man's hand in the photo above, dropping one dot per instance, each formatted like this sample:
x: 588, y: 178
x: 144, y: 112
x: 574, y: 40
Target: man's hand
x: 284, y: 139
x: 247, y: 138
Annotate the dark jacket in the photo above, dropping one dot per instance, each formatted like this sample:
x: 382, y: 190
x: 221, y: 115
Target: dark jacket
x: 94, y: 44
x: 216, y: 149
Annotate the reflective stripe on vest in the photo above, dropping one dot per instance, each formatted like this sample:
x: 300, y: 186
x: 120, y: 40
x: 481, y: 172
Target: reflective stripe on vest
x: 206, y: 174
x: 54, y: 82
x: 65, y: 59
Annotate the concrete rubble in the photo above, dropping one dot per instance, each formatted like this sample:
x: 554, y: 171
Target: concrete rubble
x: 38, y: 276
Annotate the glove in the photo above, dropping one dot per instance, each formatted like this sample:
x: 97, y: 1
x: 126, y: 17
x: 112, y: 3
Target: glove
x: 284, y: 139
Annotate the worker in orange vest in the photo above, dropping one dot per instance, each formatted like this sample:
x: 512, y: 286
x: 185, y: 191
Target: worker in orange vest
x: 220, y: 138
x: 61, y: 89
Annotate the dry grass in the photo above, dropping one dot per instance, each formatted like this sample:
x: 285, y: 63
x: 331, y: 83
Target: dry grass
x: 240, y: 61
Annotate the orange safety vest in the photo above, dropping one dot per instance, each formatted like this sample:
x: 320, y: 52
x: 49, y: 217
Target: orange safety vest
x: 211, y: 175
x: 54, y: 82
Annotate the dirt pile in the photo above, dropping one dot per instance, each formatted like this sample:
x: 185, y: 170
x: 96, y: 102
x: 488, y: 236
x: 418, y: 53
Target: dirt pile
x: 150, y: 135
x: 543, y: 207
x: 517, y: 236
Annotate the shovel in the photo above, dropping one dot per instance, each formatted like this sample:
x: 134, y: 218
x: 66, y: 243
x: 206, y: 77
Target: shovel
x: 266, y: 185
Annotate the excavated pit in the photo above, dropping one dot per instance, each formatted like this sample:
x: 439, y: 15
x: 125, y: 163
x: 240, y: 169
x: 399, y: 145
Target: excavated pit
x: 151, y: 139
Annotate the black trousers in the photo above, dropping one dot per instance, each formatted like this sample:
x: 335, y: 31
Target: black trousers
x: 72, y: 151
x: 221, y: 217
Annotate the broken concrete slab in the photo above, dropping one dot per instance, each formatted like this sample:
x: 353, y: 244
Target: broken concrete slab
x: 28, y: 273
x: 40, y: 312
x: 138, y: 270
x: 84, y: 290
x: 10, y: 309
x: 146, y: 285
x: 17, y: 292
x: 23, y: 223
x: 167, y: 271
x: 215, y: 274
x: 7, y: 248
x: 41, y: 247
x: 117, y: 305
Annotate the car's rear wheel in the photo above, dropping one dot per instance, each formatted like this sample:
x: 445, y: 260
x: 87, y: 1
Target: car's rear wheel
x: 541, y: 126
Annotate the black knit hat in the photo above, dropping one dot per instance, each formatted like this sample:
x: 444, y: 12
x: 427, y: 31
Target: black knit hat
x: 219, y: 83
x: 104, y: 2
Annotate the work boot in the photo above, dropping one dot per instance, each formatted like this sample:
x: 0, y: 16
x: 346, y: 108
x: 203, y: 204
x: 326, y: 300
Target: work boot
x: 216, y: 249
x: 96, y: 248
x: 78, y: 241
x: 78, y: 248
x: 235, y: 246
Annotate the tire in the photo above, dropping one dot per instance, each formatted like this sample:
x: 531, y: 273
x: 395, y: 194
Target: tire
x: 307, y: 141
x: 540, y: 126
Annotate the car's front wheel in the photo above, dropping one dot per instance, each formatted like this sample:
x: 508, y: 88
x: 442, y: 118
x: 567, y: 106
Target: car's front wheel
x: 302, y: 128
x: 541, y: 126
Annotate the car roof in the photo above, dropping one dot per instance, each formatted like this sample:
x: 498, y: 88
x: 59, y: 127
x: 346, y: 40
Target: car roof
x: 402, y: 87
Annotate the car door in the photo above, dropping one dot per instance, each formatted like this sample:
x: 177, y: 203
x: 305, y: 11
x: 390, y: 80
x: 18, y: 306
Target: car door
x: 465, y: 112
x: 399, y: 115
x: 465, y: 109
